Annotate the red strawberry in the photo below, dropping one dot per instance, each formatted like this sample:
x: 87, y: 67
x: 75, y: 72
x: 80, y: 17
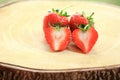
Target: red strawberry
x: 77, y: 20
x: 56, y: 30
x: 85, y: 36
x: 58, y: 39
x: 55, y: 18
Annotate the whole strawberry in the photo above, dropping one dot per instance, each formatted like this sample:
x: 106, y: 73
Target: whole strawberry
x: 84, y: 34
x: 76, y: 20
x: 56, y: 30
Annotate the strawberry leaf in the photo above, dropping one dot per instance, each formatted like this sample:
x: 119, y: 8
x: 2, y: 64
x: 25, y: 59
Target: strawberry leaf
x: 60, y: 12
x: 55, y: 10
x: 83, y: 13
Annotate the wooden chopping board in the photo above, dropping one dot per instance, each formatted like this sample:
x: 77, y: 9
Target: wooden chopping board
x: 22, y: 40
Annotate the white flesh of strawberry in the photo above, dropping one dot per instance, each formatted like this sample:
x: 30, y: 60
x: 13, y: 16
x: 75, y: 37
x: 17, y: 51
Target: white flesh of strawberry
x: 84, y: 37
x: 58, y: 37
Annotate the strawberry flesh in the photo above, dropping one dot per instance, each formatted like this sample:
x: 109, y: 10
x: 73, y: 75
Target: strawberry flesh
x: 85, y: 40
x: 58, y: 39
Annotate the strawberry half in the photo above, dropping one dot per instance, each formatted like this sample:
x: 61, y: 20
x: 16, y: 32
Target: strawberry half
x: 56, y: 30
x: 58, y: 39
x: 84, y: 34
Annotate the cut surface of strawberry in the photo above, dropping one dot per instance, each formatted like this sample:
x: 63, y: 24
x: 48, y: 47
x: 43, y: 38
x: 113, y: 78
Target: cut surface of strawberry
x: 85, y: 40
x: 58, y: 39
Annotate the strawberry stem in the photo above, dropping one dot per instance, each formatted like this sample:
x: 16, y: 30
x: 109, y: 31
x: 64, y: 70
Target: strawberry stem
x: 89, y: 17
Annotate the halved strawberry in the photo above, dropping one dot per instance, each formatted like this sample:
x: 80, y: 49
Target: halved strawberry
x: 58, y: 39
x: 84, y: 35
x: 85, y: 40
x: 56, y: 30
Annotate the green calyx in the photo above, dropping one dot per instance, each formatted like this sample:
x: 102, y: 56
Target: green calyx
x: 57, y: 26
x: 84, y: 27
x: 60, y: 12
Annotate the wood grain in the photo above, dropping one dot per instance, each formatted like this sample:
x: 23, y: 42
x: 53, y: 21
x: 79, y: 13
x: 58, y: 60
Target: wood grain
x: 104, y: 73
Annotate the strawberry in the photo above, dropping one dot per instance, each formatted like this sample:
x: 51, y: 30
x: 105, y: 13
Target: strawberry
x: 84, y: 34
x: 56, y: 30
x: 58, y: 39
x: 77, y: 20
x: 55, y: 18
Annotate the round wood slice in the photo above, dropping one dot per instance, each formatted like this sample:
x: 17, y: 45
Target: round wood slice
x: 25, y: 55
